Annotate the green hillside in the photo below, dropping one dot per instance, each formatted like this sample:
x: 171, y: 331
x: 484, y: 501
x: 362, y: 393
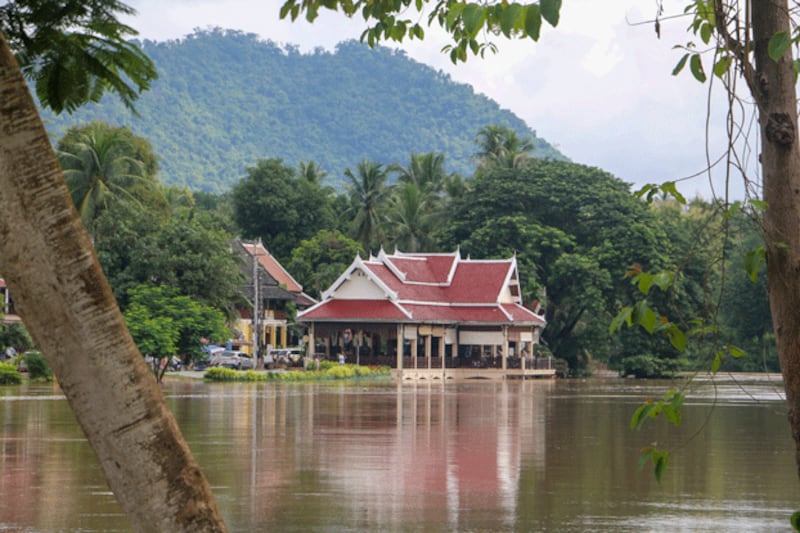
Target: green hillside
x: 225, y: 99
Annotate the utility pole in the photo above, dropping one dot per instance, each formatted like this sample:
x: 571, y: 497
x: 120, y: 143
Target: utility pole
x: 256, y: 301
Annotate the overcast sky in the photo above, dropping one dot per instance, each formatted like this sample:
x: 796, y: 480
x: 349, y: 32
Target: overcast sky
x: 598, y: 87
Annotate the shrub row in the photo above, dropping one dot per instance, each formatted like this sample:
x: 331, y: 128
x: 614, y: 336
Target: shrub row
x: 326, y: 372
x: 9, y: 375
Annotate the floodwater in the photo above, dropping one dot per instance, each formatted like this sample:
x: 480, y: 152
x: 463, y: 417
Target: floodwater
x: 541, y: 455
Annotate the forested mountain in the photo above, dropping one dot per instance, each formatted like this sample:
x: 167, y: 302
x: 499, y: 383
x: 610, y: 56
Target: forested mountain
x: 225, y: 99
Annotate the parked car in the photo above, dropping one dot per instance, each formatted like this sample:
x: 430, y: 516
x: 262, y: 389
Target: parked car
x: 284, y: 356
x: 233, y: 359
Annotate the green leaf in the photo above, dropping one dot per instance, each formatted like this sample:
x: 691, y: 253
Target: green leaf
x: 761, y: 205
x: 533, y: 22
x: 624, y: 316
x: 669, y: 188
x: 473, y: 17
x: 647, y: 410
x: 778, y: 44
x: 508, y: 20
x: 285, y: 8
x: 716, y: 363
x: 753, y: 261
x: 734, y: 208
x: 453, y: 14
x: 550, y: 9
x: 721, y: 66
x: 672, y: 409
x: 706, y: 32
x: 676, y: 337
x: 644, y: 316
x: 663, y: 280
x: 660, y: 462
x: 645, y: 281
x: 696, y: 66
x: 680, y: 65
x: 735, y: 351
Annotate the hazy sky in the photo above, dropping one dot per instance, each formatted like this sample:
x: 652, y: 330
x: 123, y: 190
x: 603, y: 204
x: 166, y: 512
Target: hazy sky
x: 599, y: 86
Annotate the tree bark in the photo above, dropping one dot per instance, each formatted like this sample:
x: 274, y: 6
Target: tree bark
x: 64, y: 300
x: 780, y: 162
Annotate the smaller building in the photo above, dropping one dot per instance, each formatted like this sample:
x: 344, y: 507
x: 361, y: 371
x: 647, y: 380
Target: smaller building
x: 429, y: 315
x: 274, y: 296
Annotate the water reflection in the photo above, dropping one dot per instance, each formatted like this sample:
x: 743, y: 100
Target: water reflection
x: 509, y: 456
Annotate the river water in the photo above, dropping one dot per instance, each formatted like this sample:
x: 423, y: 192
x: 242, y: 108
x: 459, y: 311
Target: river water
x: 541, y: 455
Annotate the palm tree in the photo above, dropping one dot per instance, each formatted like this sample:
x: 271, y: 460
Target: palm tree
x: 499, y: 146
x: 425, y: 170
x: 410, y: 218
x: 312, y: 172
x: 368, y: 193
x: 100, y: 167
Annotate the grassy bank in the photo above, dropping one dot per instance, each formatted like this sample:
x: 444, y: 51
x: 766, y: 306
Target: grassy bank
x: 327, y: 371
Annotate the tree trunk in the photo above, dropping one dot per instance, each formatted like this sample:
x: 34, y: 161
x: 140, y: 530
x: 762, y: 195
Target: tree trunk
x: 60, y: 292
x: 780, y: 161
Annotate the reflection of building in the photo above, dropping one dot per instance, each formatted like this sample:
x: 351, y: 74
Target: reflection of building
x: 7, y: 311
x: 277, y: 293
x: 429, y: 316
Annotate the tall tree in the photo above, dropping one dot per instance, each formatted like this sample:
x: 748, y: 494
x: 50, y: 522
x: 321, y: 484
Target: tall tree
x: 499, y: 146
x: 312, y: 172
x: 368, y: 194
x: 103, y: 165
x: 410, y: 214
x: 317, y: 262
x: 272, y: 203
x: 74, y: 52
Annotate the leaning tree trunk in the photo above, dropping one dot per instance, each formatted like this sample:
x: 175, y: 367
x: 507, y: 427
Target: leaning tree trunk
x: 60, y: 292
x: 780, y: 162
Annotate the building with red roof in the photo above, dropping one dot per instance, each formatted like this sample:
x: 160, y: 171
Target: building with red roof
x: 420, y: 312
x: 275, y: 288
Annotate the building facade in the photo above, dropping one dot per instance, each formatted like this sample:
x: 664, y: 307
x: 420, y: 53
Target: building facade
x: 429, y: 315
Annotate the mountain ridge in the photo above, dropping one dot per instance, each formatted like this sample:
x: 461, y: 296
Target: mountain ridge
x: 225, y: 99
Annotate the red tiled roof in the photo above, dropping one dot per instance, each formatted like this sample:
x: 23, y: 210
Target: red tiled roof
x: 473, y: 282
x: 355, y: 309
x: 431, y: 288
x: 424, y: 269
x: 273, y: 267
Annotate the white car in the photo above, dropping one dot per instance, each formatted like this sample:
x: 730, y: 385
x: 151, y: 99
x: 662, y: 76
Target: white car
x: 235, y: 360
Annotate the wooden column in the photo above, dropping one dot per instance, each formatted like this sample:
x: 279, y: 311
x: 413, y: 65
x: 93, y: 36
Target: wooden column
x: 428, y: 354
x: 400, y: 334
x: 504, y: 355
x: 311, y: 350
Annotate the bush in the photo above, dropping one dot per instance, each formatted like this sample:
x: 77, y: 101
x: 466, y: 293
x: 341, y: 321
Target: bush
x: 37, y: 366
x: 327, y: 372
x: 9, y: 375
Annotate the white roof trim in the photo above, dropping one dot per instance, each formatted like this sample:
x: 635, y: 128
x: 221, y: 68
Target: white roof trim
x: 358, y: 264
x: 513, y: 273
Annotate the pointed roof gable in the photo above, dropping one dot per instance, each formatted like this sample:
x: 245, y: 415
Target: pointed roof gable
x: 273, y: 267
